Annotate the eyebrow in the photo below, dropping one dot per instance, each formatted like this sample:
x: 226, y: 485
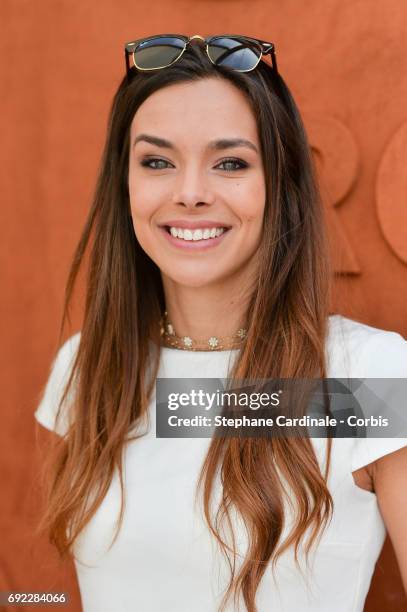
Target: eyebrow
x: 217, y: 145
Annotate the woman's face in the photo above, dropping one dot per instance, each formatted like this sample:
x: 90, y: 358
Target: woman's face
x: 194, y: 166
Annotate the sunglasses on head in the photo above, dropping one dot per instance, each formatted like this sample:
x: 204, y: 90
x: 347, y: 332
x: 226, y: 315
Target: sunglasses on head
x: 237, y: 52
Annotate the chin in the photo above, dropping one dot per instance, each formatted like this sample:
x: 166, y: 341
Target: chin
x: 194, y: 281
x: 203, y: 274
x: 192, y: 278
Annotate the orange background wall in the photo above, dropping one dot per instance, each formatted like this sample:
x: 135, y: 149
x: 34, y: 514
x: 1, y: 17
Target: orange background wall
x: 61, y: 61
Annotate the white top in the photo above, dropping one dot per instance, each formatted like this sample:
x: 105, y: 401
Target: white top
x: 166, y: 559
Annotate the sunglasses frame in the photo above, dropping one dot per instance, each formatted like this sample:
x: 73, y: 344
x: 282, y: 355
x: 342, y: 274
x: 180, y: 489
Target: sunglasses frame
x: 263, y: 46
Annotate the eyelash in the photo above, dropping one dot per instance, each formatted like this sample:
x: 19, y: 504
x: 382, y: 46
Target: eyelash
x: 146, y: 163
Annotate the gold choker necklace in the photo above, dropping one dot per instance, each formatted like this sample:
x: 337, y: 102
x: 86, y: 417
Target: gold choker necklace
x: 214, y: 343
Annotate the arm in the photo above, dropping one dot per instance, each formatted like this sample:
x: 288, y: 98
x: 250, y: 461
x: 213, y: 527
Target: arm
x: 389, y: 475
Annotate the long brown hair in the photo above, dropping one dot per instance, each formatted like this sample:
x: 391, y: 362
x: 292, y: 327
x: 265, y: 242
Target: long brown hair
x: 118, y: 355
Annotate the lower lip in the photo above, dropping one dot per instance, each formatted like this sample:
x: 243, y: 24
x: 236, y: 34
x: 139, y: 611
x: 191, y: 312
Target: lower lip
x: 194, y: 244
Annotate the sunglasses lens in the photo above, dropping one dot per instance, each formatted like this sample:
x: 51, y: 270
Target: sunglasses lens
x: 158, y: 52
x: 234, y: 53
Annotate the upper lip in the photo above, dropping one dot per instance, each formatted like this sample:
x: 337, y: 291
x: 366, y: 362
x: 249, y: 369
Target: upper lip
x: 193, y: 224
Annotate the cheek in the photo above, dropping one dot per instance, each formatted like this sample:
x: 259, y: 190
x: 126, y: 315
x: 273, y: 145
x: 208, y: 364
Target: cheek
x: 143, y: 199
x: 251, y: 206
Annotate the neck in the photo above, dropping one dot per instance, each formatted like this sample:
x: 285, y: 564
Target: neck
x: 202, y: 312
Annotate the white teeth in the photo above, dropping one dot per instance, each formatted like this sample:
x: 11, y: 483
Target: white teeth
x: 198, y: 234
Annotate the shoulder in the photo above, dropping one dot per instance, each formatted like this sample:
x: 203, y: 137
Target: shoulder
x: 69, y: 348
x: 356, y: 349
x: 63, y: 360
x: 58, y: 375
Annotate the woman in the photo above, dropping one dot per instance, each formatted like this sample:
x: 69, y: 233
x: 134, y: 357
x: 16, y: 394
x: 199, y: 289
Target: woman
x: 209, y: 259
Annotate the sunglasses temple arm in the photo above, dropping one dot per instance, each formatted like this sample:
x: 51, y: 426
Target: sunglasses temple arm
x: 274, y: 60
x: 126, y: 57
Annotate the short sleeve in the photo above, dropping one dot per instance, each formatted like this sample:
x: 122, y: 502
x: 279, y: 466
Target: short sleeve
x: 384, y: 355
x: 60, y: 371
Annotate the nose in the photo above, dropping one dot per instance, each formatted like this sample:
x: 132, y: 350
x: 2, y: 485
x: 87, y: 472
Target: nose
x: 193, y: 190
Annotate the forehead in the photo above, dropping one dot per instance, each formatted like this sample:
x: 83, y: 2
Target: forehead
x: 200, y: 109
